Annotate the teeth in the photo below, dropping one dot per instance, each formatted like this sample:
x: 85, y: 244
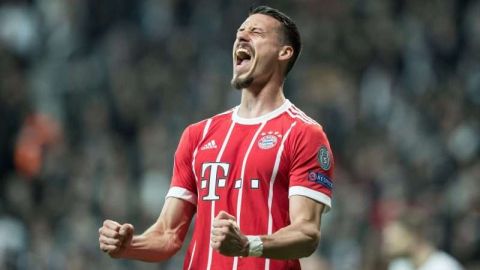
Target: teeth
x: 242, y: 50
x: 242, y: 53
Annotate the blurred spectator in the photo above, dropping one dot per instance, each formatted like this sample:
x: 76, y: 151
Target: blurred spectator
x: 408, y: 237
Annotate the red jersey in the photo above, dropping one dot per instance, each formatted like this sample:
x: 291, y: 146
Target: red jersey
x: 249, y: 168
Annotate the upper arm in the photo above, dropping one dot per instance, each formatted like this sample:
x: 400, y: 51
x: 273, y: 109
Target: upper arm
x: 305, y: 211
x: 181, y: 199
x: 174, y: 219
x: 306, y: 218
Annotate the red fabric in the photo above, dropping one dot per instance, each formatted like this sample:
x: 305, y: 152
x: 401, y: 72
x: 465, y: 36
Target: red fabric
x: 298, y: 158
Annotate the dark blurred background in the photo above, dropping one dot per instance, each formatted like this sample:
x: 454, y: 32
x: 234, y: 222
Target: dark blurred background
x: 95, y: 94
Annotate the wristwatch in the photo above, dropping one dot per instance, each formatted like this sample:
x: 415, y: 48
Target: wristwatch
x: 255, y: 246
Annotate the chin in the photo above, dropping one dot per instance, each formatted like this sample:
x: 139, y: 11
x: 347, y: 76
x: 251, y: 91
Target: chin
x: 241, y: 83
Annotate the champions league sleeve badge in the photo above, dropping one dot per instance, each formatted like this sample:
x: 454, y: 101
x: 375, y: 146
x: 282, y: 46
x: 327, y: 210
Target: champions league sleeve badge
x: 324, y: 158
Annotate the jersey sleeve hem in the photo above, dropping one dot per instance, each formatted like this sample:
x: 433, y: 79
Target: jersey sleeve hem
x: 182, y: 193
x: 312, y: 194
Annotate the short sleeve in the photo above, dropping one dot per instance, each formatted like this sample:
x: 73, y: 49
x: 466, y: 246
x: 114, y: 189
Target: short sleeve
x: 183, y: 185
x: 311, y: 165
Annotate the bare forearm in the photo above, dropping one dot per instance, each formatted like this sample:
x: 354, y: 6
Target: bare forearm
x: 291, y: 242
x: 152, y: 246
x: 164, y: 238
x: 297, y: 240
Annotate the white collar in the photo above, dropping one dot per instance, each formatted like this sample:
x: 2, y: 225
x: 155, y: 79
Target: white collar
x: 263, y: 118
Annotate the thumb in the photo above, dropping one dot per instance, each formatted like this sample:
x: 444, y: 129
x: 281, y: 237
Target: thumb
x: 126, y: 230
x: 224, y: 215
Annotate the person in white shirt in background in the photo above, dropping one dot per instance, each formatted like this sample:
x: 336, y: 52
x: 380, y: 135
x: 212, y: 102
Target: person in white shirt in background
x: 407, y: 245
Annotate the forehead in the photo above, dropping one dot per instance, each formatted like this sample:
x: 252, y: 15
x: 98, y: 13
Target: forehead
x: 262, y: 21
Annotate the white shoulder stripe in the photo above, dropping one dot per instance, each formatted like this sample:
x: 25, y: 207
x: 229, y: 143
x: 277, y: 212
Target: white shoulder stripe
x: 300, y: 112
x: 303, y: 119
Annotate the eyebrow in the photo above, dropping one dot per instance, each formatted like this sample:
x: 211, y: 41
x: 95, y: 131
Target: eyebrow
x: 252, y: 28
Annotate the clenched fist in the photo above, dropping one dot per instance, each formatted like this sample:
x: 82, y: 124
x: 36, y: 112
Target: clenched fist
x: 226, y: 237
x: 114, y: 237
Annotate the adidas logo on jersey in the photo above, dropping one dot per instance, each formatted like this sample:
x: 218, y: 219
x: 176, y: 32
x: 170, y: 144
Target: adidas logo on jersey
x: 210, y: 145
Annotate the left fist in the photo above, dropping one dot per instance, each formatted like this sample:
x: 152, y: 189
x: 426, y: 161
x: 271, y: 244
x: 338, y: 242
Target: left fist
x: 226, y: 237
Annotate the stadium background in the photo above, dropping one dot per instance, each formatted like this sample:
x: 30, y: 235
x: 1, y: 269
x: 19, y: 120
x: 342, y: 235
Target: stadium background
x: 94, y: 96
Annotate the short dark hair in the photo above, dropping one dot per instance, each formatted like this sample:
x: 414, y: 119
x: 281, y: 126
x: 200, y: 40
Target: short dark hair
x: 290, y: 33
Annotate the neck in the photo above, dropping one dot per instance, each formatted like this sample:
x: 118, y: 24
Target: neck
x: 421, y: 253
x: 257, y: 101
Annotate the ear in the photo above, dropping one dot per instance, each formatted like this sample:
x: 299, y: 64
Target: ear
x: 285, y: 53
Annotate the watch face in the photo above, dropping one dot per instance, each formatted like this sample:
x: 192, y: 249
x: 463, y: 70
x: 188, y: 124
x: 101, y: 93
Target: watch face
x: 255, y: 246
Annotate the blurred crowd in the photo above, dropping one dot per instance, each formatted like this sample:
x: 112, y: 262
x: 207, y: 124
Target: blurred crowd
x: 95, y: 94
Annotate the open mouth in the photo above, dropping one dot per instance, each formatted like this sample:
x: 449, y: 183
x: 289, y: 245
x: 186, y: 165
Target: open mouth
x: 242, y: 56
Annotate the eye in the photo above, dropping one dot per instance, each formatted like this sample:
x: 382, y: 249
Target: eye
x: 256, y: 30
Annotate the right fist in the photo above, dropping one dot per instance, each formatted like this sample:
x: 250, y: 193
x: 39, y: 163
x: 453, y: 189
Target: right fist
x: 114, y: 237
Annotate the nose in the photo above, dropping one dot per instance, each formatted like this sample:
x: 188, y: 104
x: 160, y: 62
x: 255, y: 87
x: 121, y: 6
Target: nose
x: 242, y: 36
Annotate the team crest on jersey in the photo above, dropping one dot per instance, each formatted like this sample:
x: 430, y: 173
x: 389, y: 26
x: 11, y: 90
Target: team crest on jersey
x: 269, y: 139
x: 324, y: 158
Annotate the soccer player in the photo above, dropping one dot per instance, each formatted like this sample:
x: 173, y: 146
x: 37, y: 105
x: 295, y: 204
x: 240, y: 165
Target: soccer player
x: 258, y: 176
